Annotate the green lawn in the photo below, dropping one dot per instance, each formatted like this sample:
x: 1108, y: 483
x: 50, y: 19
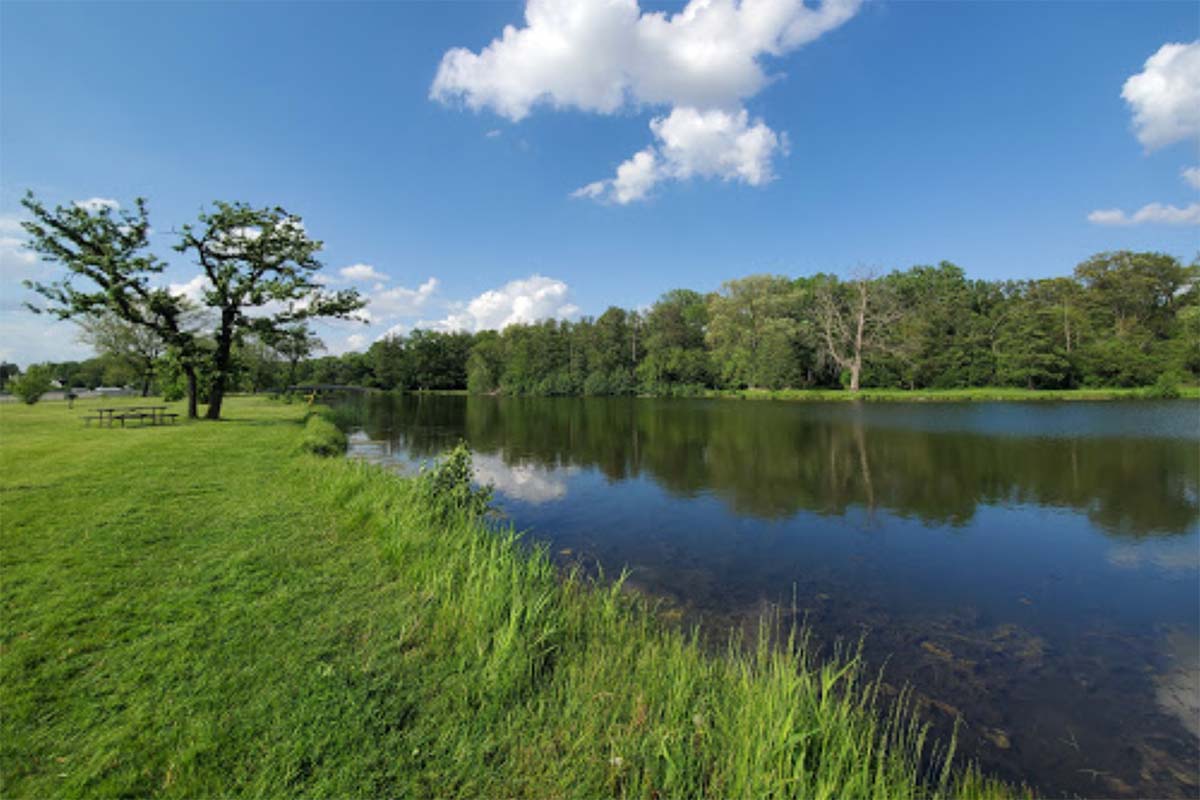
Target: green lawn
x: 202, y: 610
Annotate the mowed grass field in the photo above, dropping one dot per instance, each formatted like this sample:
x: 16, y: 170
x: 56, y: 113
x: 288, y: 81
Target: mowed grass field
x: 203, y: 610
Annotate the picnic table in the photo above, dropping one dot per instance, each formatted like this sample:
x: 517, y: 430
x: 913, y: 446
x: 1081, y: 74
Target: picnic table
x: 153, y: 415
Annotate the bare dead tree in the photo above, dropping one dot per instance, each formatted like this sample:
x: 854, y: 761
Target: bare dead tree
x: 855, y: 319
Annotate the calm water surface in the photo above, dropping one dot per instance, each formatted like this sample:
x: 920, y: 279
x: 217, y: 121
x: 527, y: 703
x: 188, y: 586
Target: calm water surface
x: 1032, y: 567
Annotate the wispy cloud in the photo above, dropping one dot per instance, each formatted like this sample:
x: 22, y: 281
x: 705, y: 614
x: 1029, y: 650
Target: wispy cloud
x: 362, y: 272
x: 1152, y: 213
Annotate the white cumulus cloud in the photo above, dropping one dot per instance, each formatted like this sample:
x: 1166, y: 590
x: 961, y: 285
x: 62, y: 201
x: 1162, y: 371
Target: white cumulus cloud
x: 526, y: 300
x: 1152, y: 213
x: 1165, y: 96
x: 361, y: 272
x: 604, y: 56
x: 707, y: 144
x: 400, y: 301
x: 1192, y: 176
x: 94, y: 204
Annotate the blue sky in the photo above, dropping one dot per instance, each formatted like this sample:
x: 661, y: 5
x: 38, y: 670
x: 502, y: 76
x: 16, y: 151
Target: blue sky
x: 882, y: 136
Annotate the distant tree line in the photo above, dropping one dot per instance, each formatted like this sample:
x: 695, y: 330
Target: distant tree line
x: 129, y: 360
x: 1122, y: 319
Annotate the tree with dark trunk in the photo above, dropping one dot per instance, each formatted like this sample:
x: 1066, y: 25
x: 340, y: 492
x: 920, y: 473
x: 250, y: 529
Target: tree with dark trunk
x: 259, y: 265
x: 108, y: 248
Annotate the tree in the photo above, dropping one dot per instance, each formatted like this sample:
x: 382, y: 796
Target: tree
x: 1131, y: 290
x: 854, y: 320
x: 752, y: 331
x: 34, y: 383
x: 390, y: 363
x: 294, y: 343
x: 136, y: 345
x: 257, y: 364
x: 108, y: 249
x: 7, y: 372
x: 485, y: 363
x: 673, y: 348
x: 260, y: 264
x: 1027, y: 353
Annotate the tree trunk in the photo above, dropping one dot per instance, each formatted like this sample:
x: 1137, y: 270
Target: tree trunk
x: 190, y: 372
x: 216, y: 393
x: 856, y: 365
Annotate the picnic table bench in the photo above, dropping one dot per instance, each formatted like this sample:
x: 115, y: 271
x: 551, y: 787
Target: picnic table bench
x: 154, y: 415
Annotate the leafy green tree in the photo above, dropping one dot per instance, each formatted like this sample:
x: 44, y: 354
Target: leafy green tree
x: 485, y: 363
x: 137, y: 346
x: 7, y: 372
x: 390, y: 363
x: 260, y: 265
x: 293, y: 343
x: 91, y: 374
x: 1028, y: 355
x: 108, y: 251
x: 613, y: 341
x: 32, y: 384
x: 257, y: 364
x: 674, y: 342
x: 934, y: 340
x: 1134, y: 290
x: 752, y: 332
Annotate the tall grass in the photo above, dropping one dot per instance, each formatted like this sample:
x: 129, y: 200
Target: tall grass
x: 574, y: 688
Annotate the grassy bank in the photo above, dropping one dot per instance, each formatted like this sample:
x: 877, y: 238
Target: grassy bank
x: 975, y: 395
x: 205, y: 610
x: 978, y: 395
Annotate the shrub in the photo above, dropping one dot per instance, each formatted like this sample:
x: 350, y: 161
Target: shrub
x: 321, y: 437
x: 449, y: 486
x: 1165, y: 388
x: 173, y: 391
x: 34, y: 383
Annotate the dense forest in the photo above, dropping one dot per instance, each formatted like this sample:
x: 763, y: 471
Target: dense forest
x: 1122, y: 319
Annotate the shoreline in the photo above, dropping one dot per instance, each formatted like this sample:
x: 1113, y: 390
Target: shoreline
x: 976, y: 395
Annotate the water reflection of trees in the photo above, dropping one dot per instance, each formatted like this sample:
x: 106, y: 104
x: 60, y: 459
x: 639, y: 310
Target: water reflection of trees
x: 768, y: 460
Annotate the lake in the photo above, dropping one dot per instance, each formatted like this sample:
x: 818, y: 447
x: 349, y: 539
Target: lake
x: 1033, y: 567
